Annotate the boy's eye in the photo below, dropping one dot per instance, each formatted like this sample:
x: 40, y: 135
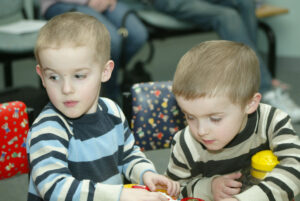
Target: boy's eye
x: 80, y: 76
x: 189, y: 117
x: 53, y: 77
x: 215, y: 119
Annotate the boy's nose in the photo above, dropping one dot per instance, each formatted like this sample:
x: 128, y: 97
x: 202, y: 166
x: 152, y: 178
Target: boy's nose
x: 202, y: 133
x: 67, y: 87
x: 202, y: 129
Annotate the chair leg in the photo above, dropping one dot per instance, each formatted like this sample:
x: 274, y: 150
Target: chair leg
x: 272, y: 46
x: 8, y: 78
x: 151, y: 51
x: 127, y: 106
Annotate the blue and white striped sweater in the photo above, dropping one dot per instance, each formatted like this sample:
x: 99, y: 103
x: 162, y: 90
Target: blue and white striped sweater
x: 84, y: 158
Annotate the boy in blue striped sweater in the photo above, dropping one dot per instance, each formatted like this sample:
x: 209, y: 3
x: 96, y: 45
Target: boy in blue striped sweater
x: 80, y: 146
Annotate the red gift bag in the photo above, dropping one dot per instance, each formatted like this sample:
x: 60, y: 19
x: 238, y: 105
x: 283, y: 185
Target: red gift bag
x: 13, y: 133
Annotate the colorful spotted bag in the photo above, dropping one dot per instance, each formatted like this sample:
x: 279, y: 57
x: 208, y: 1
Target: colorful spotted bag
x: 13, y: 134
x: 156, y: 116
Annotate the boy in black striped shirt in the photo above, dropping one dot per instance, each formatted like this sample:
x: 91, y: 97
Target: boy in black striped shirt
x: 216, y: 85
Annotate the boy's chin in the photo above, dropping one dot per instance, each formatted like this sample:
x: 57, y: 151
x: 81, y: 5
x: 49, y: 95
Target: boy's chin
x: 215, y: 148
x: 72, y: 116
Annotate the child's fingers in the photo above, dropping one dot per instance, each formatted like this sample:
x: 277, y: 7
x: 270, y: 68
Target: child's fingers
x: 173, y: 188
x: 231, y: 191
x: 232, y: 182
x: 151, y: 186
x: 234, y: 175
x: 163, y: 181
x: 235, y: 184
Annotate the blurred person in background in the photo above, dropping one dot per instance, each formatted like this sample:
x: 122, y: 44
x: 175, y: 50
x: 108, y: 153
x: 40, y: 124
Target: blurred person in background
x: 233, y: 20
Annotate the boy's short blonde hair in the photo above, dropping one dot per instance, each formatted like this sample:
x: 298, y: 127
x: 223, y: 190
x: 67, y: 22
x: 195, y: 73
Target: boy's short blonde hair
x: 218, y: 68
x: 74, y: 29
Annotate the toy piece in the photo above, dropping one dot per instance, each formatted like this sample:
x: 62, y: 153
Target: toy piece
x: 163, y: 191
x: 261, y: 164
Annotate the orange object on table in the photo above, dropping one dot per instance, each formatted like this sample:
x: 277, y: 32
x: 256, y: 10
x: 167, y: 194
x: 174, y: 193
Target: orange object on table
x: 137, y: 186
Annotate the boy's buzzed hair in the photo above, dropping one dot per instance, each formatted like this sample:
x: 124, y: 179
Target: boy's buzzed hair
x: 218, y: 68
x: 75, y: 29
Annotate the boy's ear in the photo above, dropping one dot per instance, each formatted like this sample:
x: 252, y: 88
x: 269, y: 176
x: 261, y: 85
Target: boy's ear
x: 106, y: 73
x: 253, y: 103
x: 39, y: 72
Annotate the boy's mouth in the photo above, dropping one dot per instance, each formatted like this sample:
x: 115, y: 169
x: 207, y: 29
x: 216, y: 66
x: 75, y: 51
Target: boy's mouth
x: 70, y: 103
x: 208, y: 141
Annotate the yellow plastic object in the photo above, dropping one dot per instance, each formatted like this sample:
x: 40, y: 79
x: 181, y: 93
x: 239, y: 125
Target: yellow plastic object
x: 262, y: 163
x: 129, y: 185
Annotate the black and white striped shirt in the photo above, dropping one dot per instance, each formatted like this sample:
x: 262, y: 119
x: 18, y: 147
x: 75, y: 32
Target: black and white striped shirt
x: 267, y: 128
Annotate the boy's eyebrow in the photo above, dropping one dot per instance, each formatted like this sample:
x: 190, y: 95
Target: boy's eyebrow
x: 47, y: 69
x: 83, y: 68
x: 210, y: 114
x: 79, y: 69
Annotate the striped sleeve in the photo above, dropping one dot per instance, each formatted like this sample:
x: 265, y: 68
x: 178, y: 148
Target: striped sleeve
x: 180, y: 168
x: 283, y: 183
x: 135, y: 163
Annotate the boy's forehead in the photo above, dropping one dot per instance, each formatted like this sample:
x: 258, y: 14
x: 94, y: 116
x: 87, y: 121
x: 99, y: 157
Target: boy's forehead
x: 65, y: 49
x: 67, y: 56
x: 205, y: 104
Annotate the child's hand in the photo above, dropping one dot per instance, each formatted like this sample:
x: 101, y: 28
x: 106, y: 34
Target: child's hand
x: 102, y: 5
x: 131, y: 194
x: 226, y: 186
x: 229, y: 199
x: 152, y: 180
